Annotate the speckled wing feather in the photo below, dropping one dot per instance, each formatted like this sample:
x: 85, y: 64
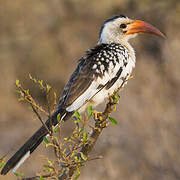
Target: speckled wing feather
x: 101, y: 67
x: 81, y: 79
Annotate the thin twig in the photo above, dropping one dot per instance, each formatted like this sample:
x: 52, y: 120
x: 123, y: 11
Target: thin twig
x: 39, y: 117
x: 37, y: 177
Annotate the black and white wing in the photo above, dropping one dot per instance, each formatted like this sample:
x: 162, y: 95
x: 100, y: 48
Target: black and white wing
x: 82, y: 85
x: 99, y: 69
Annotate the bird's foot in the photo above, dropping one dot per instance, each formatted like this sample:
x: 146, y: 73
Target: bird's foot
x: 97, y: 115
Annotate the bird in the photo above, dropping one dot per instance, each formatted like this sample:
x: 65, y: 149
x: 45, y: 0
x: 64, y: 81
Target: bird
x: 99, y: 73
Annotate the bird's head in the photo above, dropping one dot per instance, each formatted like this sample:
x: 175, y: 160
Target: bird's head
x: 119, y: 29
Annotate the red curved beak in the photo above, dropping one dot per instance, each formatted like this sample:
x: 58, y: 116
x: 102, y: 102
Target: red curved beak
x: 142, y: 27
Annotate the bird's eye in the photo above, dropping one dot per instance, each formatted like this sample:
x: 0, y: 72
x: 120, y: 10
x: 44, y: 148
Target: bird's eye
x: 123, y: 26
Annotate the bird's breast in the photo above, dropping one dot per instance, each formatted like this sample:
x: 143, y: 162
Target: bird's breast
x: 113, y: 79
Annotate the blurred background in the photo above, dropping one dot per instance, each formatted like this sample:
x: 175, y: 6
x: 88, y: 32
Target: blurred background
x: 46, y: 38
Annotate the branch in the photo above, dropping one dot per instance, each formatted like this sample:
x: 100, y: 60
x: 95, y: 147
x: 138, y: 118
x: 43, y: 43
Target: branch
x: 80, y: 146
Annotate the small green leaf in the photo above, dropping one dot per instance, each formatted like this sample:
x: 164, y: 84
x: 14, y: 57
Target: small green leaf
x: 82, y: 163
x: 46, y: 169
x: 77, y: 121
x: 40, y: 83
x: 77, y: 174
x: 113, y: 121
x: 48, y: 87
x: 20, y: 99
x: 46, y: 141
x: 41, y: 178
x: 59, y: 118
x: 2, y: 163
x: 17, y: 82
x: 85, y: 136
x: 90, y: 111
x: 76, y: 158
x: 72, y: 136
x: 19, y: 174
x: 116, y: 98
x: 83, y: 156
x: 77, y: 114
x: 22, y: 174
x: 18, y: 91
x: 16, y: 174
x: 54, y: 129
x: 73, y: 153
x: 114, y: 107
x: 81, y: 130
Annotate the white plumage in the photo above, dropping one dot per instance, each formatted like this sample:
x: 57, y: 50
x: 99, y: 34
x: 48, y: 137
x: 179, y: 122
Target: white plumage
x: 21, y: 162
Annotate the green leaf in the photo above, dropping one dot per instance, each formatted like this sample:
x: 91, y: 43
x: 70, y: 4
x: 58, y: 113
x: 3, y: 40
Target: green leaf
x: 81, y: 130
x: 17, y: 82
x: 2, y: 164
x: 40, y: 83
x: 16, y: 174
x: 76, y: 158
x: 41, y: 178
x: 59, y: 117
x: 90, y: 111
x: 27, y: 91
x: 73, y: 153
x: 22, y: 174
x: 77, y: 121
x: 85, y: 136
x: 83, y: 156
x: 82, y: 163
x: 20, y: 99
x: 113, y: 121
x: 19, y: 174
x: 77, y: 115
x: 54, y: 129
x: 46, y: 141
x: 18, y: 91
x: 48, y: 87
x: 116, y: 98
x: 47, y: 170
x: 77, y: 174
